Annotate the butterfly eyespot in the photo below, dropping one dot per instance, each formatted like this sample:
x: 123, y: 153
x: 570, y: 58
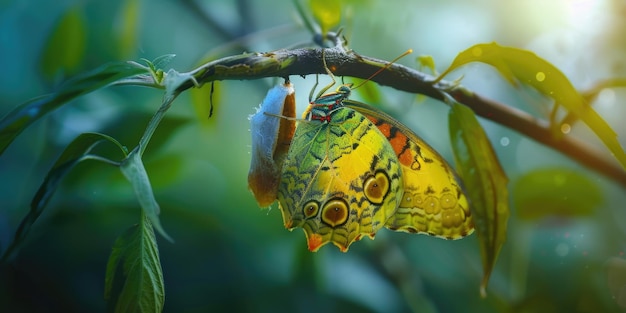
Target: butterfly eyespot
x: 335, y: 212
x: 452, y: 218
x: 448, y: 201
x: 376, y: 187
x: 431, y: 205
x: 410, y: 200
x: 310, y: 209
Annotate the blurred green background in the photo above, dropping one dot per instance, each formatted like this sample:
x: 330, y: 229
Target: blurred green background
x: 566, y: 242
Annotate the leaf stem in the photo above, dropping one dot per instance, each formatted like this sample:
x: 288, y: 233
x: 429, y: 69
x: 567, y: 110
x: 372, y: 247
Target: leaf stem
x: 99, y: 158
x: 154, y: 122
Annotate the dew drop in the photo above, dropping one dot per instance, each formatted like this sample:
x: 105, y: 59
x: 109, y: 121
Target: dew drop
x: 562, y: 249
x: 504, y: 141
x: 540, y: 76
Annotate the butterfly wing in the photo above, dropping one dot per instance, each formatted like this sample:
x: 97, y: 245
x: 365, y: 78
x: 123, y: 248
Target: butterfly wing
x: 341, y: 180
x: 433, y: 202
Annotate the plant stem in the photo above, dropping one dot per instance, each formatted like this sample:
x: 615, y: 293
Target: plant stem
x: 284, y: 63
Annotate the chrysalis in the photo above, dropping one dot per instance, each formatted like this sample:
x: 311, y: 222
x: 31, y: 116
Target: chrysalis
x: 271, y: 127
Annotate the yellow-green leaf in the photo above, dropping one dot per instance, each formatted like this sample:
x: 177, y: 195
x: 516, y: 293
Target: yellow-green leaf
x: 592, y: 94
x: 522, y: 66
x: 594, y: 91
x: 206, y: 100
x: 127, y: 22
x: 65, y: 49
x: 327, y: 13
x: 427, y: 61
x: 555, y: 191
x: 485, y: 183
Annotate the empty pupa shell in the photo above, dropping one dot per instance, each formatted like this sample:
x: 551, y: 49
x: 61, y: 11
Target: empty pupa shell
x: 272, y: 128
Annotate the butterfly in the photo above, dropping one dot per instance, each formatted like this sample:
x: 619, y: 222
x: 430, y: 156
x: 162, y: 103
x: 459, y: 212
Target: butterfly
x: 351, y: 170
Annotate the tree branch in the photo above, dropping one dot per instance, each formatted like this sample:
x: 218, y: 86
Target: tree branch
x: 284, y: 63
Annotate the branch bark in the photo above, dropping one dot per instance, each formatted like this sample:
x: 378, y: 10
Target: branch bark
x: 342, y: 62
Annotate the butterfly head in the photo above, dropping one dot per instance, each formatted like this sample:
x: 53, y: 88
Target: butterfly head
x: 322, y: 108
x: 344, y: 90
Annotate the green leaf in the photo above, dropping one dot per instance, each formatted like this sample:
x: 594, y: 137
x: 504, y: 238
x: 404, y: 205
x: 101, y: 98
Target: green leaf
x: 555, y: 191
x: 160, y: 62
x: 135, y: 172
x: 485, y: 181
x: 25, y: 114
x: 134, y: 279
x: 327, y: 13
x: 522, y: 66
x: 127, y: 22
x: 76, y: 152
x: 65, y: 49
x: 156, y: 67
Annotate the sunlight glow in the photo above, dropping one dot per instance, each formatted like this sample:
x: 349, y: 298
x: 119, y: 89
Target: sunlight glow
x: 583, y: 13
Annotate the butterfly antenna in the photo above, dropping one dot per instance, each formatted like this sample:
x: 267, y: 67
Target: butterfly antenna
x: 382, y: 68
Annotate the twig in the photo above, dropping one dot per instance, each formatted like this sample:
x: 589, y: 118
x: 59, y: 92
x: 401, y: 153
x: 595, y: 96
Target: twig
x: 285, y: 63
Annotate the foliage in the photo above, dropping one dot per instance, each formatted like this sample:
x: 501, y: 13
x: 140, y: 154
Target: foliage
x: 77, y: 151
x: 65, y: 49
x: 135, y: 261
x: 243, y: 250
x: 25, y: 114
x: 521, y: 66
x: 486, y: 182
